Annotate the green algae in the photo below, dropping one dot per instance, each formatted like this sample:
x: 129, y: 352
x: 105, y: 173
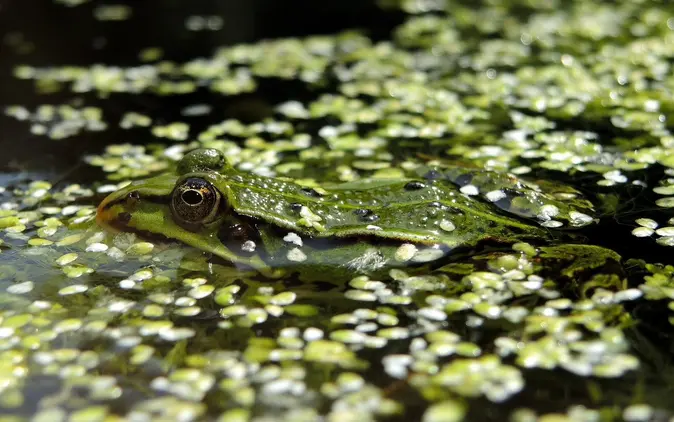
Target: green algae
x: 580, y: 92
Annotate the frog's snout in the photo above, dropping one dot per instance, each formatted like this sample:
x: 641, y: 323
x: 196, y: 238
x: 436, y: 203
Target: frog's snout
x: 110, y: 211
x: 104, y: 213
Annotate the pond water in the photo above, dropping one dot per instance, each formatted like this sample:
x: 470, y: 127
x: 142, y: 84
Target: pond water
x: 501, y: 249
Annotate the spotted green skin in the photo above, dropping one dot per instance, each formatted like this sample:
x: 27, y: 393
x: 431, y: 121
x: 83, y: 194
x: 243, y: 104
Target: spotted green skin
x: 346, y: 229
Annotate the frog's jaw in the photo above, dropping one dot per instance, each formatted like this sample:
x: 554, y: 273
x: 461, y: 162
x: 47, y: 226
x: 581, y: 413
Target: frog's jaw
x: 104, y: 217
x: 112, y: 211
x: 109, y: 211
x: 147, y: 213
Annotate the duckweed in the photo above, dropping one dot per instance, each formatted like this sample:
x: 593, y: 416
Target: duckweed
x: 523, y: 88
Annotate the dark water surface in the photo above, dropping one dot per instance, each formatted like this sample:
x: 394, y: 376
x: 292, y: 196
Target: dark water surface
x: 602, y: 335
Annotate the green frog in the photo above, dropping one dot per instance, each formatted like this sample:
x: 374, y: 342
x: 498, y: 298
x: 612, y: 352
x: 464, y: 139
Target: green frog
x: 278, y: 226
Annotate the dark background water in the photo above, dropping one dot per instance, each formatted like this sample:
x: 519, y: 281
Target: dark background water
x: 42, y: 33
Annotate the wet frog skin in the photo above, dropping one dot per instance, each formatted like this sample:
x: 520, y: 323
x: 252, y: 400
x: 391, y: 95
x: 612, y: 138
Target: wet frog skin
x: 278, y: 226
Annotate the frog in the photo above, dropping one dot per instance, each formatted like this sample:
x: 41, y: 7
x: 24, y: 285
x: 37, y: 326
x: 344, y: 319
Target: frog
x: 280, y: 226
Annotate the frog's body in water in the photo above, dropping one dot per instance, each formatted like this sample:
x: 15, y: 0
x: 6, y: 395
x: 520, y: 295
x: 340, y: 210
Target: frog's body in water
x: 339, y: 230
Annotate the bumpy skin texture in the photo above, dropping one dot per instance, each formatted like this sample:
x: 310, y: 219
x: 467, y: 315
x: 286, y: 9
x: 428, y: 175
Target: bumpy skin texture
x: 366, y: 221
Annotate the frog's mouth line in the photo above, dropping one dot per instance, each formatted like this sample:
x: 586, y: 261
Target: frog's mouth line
x: 116, y: 226
x: 114, y: 222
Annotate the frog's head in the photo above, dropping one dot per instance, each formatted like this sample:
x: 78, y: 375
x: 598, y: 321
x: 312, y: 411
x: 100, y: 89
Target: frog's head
x: 189, y: 206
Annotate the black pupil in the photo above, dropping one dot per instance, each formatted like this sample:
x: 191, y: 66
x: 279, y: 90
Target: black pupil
x: 192, y: 197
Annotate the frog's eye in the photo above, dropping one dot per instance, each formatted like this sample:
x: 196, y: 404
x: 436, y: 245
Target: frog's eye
x: 195, y: 201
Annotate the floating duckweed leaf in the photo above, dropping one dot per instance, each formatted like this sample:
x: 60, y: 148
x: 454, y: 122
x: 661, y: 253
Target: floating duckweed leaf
x: 665, y: 231
x: 664, y: 190
x: 638, y: 412
x: 483, y: 376
x: 446, y: 411
x: 39, y: 242
x: 284, y: 298
x: 74, y: 289
x: 97, y: 247
x: 665, y: 241
x: 6, y: 222
x: 70, y: 239
x: 112, y: 12
x: 647, y: 222
x: 405, y: 252
x: 21, y: 288
x: 140, y: 248
x: 327, y: 351
x: 360, y: 295
x: 665, y: 202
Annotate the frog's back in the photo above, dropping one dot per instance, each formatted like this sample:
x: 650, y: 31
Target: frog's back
x: 430, y: 212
